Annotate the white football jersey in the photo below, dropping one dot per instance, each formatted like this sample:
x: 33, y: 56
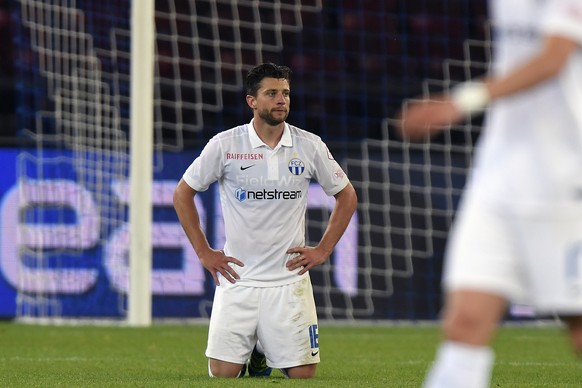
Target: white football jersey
x: 531, y: 149
x: 263, y: 193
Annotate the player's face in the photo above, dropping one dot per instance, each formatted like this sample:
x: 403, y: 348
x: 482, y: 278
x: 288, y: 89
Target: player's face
x: 272, y: 101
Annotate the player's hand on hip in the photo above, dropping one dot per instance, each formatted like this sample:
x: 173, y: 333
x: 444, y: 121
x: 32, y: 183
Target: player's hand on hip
x: 215, y: 261
x: 306, y: 258
x: 421, y: 118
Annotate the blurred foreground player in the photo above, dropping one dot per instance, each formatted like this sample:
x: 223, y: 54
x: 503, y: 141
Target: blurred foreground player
x: 518, y: 234
x: 263, y: 305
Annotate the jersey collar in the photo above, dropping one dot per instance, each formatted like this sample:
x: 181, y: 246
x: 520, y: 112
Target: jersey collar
x: 286, y: 139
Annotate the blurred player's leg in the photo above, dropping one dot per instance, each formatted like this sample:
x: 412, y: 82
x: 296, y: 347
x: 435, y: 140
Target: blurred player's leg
x: 574, y: 325
x: 465, y: 359
x: 458, y: 365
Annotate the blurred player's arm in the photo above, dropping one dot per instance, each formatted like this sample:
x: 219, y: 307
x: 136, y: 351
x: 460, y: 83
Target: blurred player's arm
x: 546, y: 65
x: 419, y: 118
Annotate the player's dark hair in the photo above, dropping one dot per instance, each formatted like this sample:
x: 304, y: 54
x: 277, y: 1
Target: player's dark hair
x: 264, y: 70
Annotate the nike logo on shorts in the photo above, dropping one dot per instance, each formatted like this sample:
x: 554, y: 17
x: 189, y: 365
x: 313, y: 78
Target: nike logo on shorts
x: 313, y: 354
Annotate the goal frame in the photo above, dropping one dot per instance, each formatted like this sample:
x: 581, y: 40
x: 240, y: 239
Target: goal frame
x: 139, y: 301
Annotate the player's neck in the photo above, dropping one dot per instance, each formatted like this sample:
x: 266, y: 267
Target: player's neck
x: 270, y: 135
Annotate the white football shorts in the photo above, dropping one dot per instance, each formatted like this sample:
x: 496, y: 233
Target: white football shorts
x: 530, y: 255
x: 282, y: 318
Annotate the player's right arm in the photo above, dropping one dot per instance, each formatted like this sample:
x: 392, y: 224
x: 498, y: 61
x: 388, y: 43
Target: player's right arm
x: 428, y: 116
x: 547, y: 64
x: 215, y: 261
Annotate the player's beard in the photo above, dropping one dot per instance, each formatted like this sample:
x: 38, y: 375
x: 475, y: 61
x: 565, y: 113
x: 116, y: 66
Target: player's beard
x: 268, y: 117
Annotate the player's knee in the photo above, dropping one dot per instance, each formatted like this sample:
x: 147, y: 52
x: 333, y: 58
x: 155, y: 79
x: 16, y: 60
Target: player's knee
x: 575, y: 328
x: 218, y: 372
x: 301, y: 372
x: 467, y: 327
x: 223, y: 369
x: 577, y: 344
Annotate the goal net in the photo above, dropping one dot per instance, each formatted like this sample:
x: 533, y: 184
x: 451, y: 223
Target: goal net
x: 353, y: 62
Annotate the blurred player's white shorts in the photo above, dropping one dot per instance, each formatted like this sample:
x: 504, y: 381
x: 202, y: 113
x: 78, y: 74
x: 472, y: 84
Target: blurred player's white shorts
x: 530, y: 254
x: 282, y: 318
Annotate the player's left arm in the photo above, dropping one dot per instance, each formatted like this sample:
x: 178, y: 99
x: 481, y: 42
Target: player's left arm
x: 309, y: 257
x: 425, y: 117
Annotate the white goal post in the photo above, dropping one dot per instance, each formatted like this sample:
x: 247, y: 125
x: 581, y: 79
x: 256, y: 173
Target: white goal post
x: 141, y: 161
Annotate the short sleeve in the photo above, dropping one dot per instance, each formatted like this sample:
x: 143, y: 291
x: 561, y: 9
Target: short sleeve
x: 564, y: 18
x: 327, y: 170
x: 207, y: 168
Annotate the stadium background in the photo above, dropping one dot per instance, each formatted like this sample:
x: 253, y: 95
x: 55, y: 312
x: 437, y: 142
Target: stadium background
x: 353, y: 62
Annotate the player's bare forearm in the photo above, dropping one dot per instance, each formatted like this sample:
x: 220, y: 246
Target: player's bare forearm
x: 215, y: 261
x: 309, y: 257
x: 345, y: 206
x: 189, y: 218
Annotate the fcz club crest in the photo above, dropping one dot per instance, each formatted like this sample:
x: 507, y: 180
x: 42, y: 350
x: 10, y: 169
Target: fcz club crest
x: 296, y: 166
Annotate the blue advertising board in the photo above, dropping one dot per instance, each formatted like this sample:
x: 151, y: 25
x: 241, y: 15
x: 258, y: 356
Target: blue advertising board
x: 64, y: 253
x: 58, y: 240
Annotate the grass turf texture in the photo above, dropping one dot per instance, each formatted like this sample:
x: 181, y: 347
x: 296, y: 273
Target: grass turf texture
x: 173, y: 356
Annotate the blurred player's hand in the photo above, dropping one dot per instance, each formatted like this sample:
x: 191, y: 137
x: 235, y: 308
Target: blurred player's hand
x: 421, y: 118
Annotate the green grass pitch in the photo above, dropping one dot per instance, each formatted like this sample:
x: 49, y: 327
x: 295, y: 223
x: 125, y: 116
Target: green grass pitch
x: 351, y: 356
